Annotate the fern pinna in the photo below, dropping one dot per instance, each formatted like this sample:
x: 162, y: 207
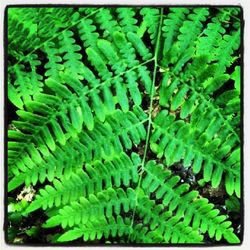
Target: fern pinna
x: 113, y: 109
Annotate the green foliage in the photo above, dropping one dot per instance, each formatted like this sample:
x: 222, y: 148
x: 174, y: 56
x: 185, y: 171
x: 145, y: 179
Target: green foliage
x: 108, y: 102
x: 233, y: 204
x: 176, y: 140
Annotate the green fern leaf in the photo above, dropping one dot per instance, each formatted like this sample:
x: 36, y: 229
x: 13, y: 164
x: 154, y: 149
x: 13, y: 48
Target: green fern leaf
x: 120, y: 119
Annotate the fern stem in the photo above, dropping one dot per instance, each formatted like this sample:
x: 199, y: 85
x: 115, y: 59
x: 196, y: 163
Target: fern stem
x: 149, y: 118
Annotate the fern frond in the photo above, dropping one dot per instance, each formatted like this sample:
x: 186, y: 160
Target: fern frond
x: 140, y: 232
x: 194, y: 210
x: 224, y: 53
x: 98, y: 175
x: 105, y: 203
x: 196, y: 93
x: 212, y: 36
x: 22, y: 20
x: 229, y: 101
x: 87, y: 33
x: 127, y: 20
x: 125, y: 49
x: 167, y: 225
x: 191, y: 27
x: 150, y: 22
x: 171, y: 26
x: 72, y: 57
x: 50, y: 20
x: 76, y: 104
x: 25, y: 83
x: 107, y: 23
x: 111, y: 227
x: 98, y: 228
x: 177, y: 141
x: 107, y: 102
x: 189, y: 32
x: 121, y: 130
x: 53, y: 66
